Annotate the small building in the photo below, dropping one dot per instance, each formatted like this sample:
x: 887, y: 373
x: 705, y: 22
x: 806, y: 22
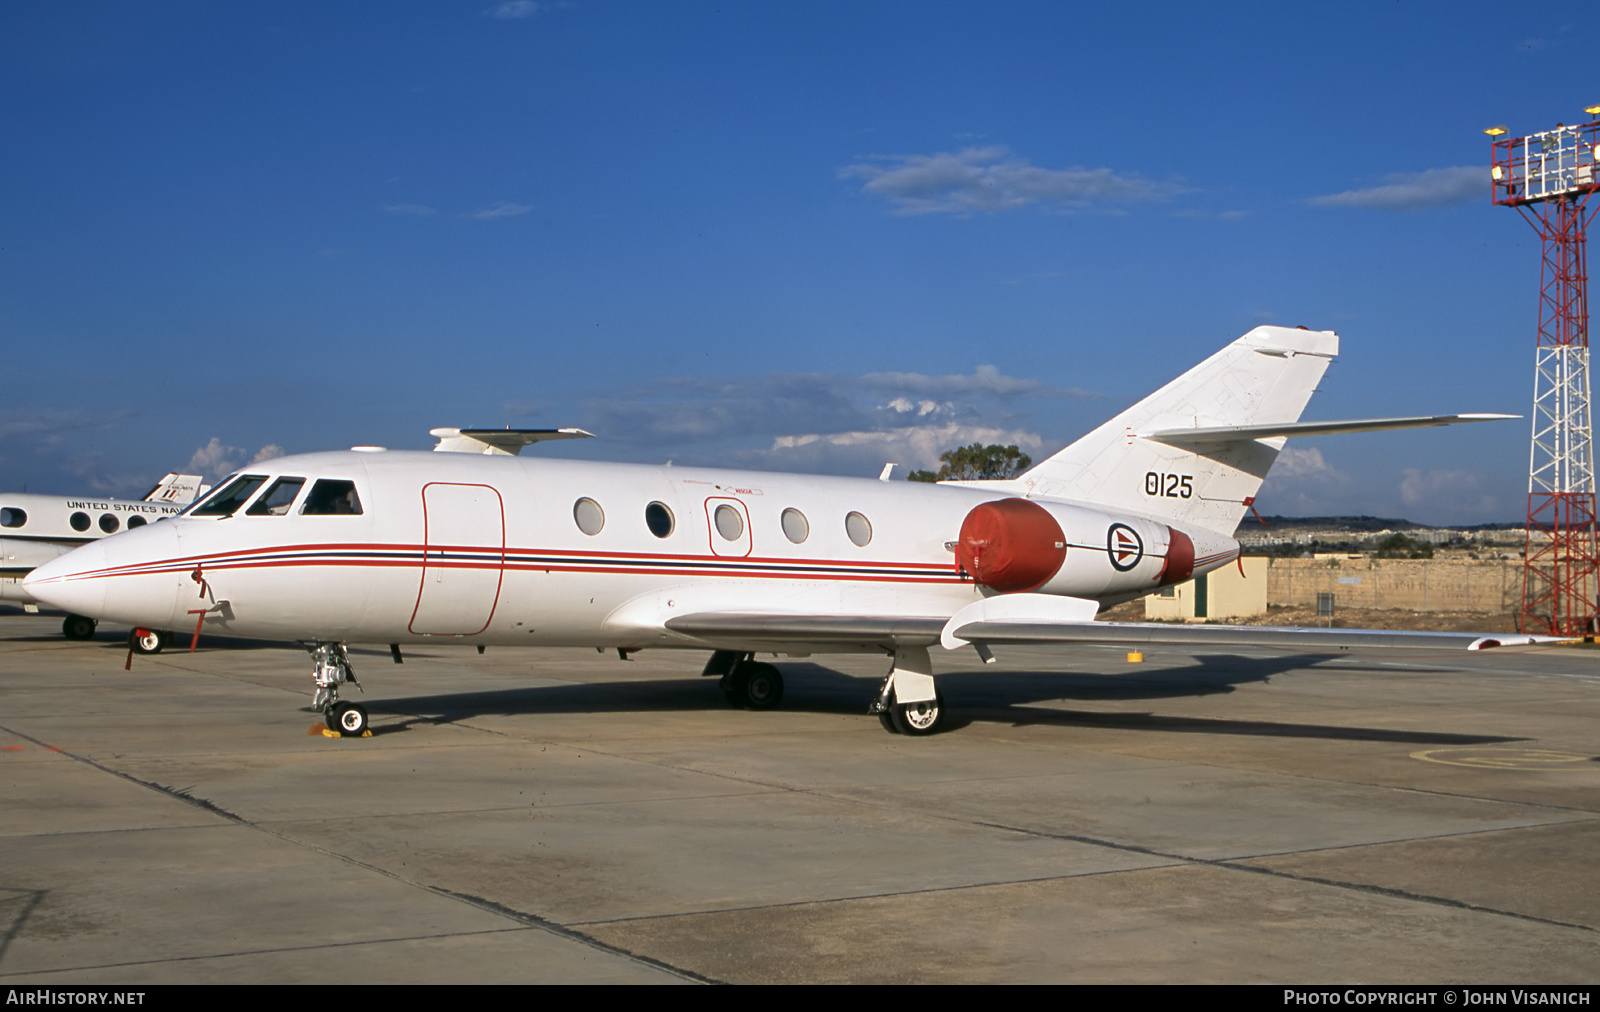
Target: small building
x: 1238, y: 590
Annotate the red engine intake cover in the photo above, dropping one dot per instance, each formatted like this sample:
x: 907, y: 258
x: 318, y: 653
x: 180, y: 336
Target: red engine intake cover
x: 1180, y: 558
x: 1011, y: 545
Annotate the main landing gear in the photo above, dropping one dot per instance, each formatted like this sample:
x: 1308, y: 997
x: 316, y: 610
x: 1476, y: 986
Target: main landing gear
x: 908, y: 702
x: 77, y: 627
x: 746, y: 682
x: 332, y: 668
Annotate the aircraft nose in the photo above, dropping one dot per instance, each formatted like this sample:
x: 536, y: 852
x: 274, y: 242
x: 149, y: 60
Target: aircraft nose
x: 69, y: 582
x: 129, y: 577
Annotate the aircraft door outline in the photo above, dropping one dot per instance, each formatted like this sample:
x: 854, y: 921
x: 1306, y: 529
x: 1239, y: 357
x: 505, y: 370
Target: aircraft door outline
x: 463, y: 559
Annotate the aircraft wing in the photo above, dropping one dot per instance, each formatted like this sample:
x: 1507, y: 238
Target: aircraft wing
x: 758, y: 627
x: 1230, y: 433
x: 505, y: 441
x: 1036, y: 620
x: 1310, y: 641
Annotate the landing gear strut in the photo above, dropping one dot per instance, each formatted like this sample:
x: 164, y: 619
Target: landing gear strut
x: 332, y: 667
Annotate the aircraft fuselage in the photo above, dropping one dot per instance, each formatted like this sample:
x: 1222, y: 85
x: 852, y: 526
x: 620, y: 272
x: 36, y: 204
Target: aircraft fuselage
x: 502, y: 550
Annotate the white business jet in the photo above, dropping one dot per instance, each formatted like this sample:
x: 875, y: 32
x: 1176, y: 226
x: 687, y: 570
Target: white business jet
x: 491, y: 548
x: 37, y: 528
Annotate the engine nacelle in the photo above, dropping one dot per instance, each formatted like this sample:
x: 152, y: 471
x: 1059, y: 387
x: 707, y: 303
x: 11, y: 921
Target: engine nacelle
x: 1019, y: 545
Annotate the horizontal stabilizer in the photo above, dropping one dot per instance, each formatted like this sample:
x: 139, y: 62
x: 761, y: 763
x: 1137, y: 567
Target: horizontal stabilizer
x: 1213, y: 435
x: 504, y: 441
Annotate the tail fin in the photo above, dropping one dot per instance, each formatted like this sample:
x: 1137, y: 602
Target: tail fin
x: 179, y: 489
x: 1264, y: 377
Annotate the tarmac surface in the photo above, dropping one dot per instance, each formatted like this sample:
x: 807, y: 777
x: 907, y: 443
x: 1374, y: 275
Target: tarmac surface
x: 562, y: 816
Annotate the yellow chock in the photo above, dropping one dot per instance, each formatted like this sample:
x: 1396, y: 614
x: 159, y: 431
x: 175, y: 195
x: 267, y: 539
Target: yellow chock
x: 1135, y: 657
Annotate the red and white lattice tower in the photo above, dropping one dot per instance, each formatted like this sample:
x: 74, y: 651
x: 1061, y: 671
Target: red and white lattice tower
x: 1548, y: 177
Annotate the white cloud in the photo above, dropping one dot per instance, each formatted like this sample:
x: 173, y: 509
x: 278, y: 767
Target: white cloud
x: 992, y: 179
x: 1458, y: 493
x: 913, y: 448
x: 504, y: 209
x: 217, y: 460
x: 513, y: 10
x: 984, y: 379
x: 818, y: 421
x: 1459, y: 184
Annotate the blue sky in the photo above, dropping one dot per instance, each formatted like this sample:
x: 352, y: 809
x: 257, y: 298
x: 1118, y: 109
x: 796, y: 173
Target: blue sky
x: 795, y: 236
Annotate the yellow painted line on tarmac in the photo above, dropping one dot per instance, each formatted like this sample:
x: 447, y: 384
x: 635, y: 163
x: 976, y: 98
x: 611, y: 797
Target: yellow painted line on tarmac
x: 1524, y: 759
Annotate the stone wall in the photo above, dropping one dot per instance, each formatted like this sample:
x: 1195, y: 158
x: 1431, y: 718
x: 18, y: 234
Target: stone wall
x: 1412, y: 584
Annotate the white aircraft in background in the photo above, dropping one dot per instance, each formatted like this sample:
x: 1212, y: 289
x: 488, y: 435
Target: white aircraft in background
x: 489, y: 548
x: 36, y: 528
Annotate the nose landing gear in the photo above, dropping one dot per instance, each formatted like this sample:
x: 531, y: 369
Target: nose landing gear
x: 331, y: 669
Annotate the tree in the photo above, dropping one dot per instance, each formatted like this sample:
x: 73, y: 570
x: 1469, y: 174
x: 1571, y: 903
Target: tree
x: 1398, y: 546
x: 976, y: 462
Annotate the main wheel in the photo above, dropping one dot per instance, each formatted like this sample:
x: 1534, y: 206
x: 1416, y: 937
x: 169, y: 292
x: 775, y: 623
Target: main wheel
x: 349, y: 719
x: 77, y: 627
x: 147, y: 641
x: 918, y: 718
x: 763, y: 686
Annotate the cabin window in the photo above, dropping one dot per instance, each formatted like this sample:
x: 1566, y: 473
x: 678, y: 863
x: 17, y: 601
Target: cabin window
x: 79, y: 521
x: 729, y: 523
x: 278, y: 498
x: 795, y: 526
x: 136, y: 521
x: 859, y: 528
x: 227, y: 500
x: 109, y: 523
x: 332, y: 497
x: 588, y: 515
x: 659, y: 519
x: 10, y: 516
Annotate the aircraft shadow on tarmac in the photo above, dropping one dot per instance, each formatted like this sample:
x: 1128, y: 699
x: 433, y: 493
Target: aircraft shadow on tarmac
x: 988, y: 696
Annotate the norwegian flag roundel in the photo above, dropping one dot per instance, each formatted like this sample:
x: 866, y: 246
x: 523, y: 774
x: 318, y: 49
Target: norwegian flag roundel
x: 1124, y: 546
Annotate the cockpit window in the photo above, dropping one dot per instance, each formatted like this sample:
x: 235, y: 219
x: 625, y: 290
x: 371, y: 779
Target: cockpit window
x: 332, y: 497
x: 277, y: 499
x: 227, y: 500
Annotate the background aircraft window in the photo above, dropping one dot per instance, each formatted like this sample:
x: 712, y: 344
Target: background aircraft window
x: 278, y: 498
x: 109, y: 522
x: 659, y: 519
x: 859, y: 529
x: 332, y: 497
x: 233, y: 495
x: 13, y: 517
x: 795, y: 525
x: 589, y: 516
x: 136, y: 521
x: 80, y: 521
x: 729, y: 523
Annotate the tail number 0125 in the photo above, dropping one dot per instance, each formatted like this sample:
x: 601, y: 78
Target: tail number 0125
x: 1169, y: 486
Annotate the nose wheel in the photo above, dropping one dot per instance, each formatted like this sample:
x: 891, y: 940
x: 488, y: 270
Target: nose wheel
x: 149, y: 641
x: 349, y: 719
